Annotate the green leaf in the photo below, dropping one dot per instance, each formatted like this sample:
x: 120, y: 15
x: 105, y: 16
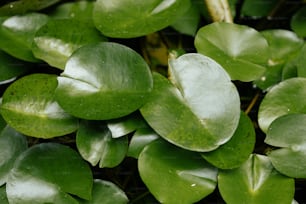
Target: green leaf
x: 95, y: 143
x: 112, y: 83
x: 284, y: 98
x: 55, y: 41
x: 202, y: 110
x: 272, y: 76
x: 122, y: 126
x: 49, y: 173
x: 10, y: 68
x: 174, y: 175
x: 12, y: 144
x: 129, y: 19
x: 28, y: 106
x: 140, y: 139
x: 298, y: 22
x: 2, y: 121
x: 107, y: 193
x: 17, y: 34
x: 240, y: 50
x: 80, y: 10
x: 24, y: 6
x: 237, y: 150
x: 258, y: 8
x: 3, y: 197
x: 256, y: 181
x: 300, y: 62
x: 288, y: 133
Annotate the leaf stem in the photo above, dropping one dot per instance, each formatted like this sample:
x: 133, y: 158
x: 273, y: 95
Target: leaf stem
x: 219, y: 10
x: 252, y: 103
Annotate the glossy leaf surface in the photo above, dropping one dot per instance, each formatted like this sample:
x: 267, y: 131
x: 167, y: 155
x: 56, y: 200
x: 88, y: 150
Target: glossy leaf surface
x: 128, y: 19
x: 48, y: 173
x: 10, y: 68
x: 12, y: 144
x: 203, y: 97
x: 141, y: 138
x: 55, y: 41
x: 240, y: 50
x: 17, y: 34
x: 298, y: 22
x: 174, y: 175
x: 96, y: 145
x: 29, y: 107
x: 256, y: 181
x: 288, y: 133
x: 112, y: 83
x: 284, y: 98
x: 237, y: 150
x: 107, y: 193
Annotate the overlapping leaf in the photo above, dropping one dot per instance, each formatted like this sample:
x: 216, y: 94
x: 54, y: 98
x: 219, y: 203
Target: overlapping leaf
x: 298, y: 22
x: 49, y: 173
x: 111, y: 83
x: 200, y: 111
x: 28, y: 106
x: 174, y: 175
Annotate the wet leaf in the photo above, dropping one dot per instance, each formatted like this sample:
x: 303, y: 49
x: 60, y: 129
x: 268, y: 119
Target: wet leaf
x: 112, y: 83
x: 29, y: 107
x: 186, y: 177
x: 49, y: 173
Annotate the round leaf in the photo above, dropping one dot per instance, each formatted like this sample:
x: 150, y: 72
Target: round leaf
x: 111, y: 83
x: 12, y: 144
x: 48, y: 173
x: 17, y: 34
x: 28, y: 106
x: 201, y: 112
x: 240, y: 50
x: 128, y: 19
x: 186, y: 178
x: 55, y: 41
x: 107, y: 193
x: 256, y: 181
x: 298, y: 22
x: 284, y: 98
x: 288, y: 133
x: 95, y: 143
x: 237, y: 150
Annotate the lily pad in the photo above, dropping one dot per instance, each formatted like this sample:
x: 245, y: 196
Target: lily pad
x: 29, y: 107
x: 112, y: 83
x: 256, y: 181
x: 17, y: 34
x: 298, y: 22
x: 200, y: 111
x: 186, y: 177
x: 130, y: 18
x: 237, y: 150
x: 288, y: 133
x: 284, y: 98
x: 55, y: 41
x: 49, y: 173
x: 240, y: 50
x: 12, y: 144
x: 107, y: 193
x: 96, y: 144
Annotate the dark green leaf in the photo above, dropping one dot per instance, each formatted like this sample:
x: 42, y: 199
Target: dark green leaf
x: 272, y: 76
x: 240, y: 50
x: 174, y: 175
x: 55, y: 41
x: 3, y: 197
x: 237, y: 150
x: 199, y: 113
x: 288, y: 133
x: 2, y: 121
x: 12, y: 144
x: 96, y: 144
x: 17, y: 34
x: 111, y: 83
x: 298, y: 22
x: 48, y: 173
x: 284, y: 98
x: 258, y: 8
x: 107, y: 193
x: 128, y: 19
x: 28, y: 106
x: 256, y: 181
